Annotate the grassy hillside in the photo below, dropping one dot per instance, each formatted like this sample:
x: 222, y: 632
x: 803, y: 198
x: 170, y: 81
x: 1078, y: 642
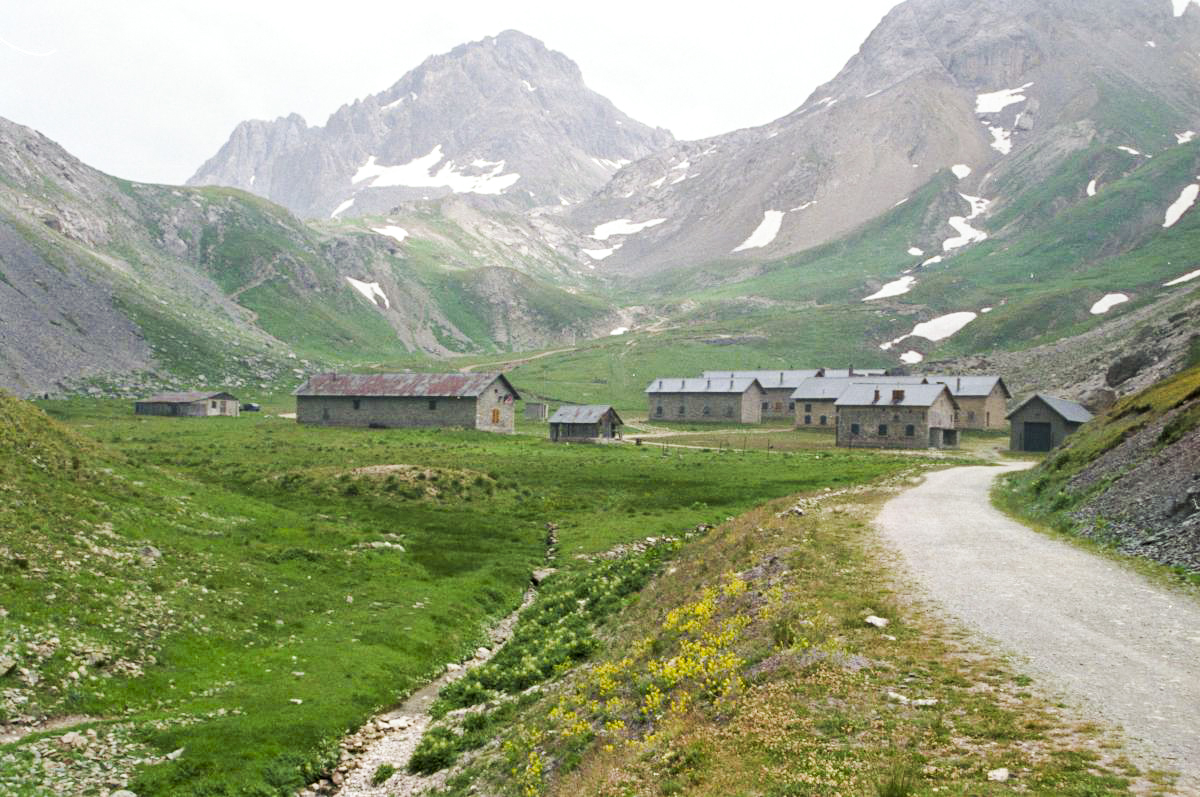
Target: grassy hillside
x: 1127, y: 478
x: 212, y: 584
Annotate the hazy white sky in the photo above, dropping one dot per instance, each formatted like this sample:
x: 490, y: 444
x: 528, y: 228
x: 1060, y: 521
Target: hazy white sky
x: 149, y: 89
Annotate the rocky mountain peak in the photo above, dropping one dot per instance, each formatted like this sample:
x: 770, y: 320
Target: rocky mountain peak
x: 505, y: 120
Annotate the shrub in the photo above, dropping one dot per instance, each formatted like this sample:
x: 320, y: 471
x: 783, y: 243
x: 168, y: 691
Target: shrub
x: 382, y: 773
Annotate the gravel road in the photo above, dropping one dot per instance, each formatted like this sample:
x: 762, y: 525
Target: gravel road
x: 1123, y: 647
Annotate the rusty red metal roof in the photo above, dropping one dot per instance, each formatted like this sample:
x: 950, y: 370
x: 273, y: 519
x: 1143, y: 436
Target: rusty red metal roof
x: 415, y: 385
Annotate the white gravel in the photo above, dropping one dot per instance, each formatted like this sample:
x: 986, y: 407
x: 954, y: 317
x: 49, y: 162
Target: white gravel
x: 1124, y: 647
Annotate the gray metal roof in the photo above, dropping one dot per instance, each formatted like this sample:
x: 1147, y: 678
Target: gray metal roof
x: 883, y: 394
x: 766, y: 378
x: 822, y: 388
x: 1070, y: 411
x: 843, y: 373
x: 186, y: 397
x: 701, y: 385
x: 457, y: 385
x: 970, y: 385
x: 585, y: 413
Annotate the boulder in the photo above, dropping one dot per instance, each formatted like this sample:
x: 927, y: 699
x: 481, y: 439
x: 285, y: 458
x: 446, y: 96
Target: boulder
x: 1126, y: 367
x: 999, y: 775
x: 878, y: 622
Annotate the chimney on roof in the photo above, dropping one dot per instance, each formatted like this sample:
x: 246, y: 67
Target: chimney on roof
x: 731, y: 384
x: 958, y: 385
x: 897, y: 396
x: 820, y: 372
x: 876, y: 400
x: 708, y: 384
x: 660, y: 384
x: 850, y: 371
x: 781, y: 377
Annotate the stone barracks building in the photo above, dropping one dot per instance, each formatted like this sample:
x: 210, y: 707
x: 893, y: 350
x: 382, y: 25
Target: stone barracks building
x: 890, y: 415
x: 473, y: 401
x: 706, y: 400
x: 777, y: 402
x: 193, y: 404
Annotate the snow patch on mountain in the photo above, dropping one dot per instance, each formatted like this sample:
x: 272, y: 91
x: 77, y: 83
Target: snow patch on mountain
x: 935, y: 329
x: 915, y: 252
x: 612, y: 165
x: 911, y: 357
x: 893, y: 288
x: 622, y: 227
x: 1130, y: 150
x: 961, y: 170
x: 1151, y: 44
x: 1001, y: 140
x: 658, y: 183
x: 341, y: 208
x: 1188, y: 277
x: 1187, y: 198
x: 996, y: 101
x: 766, y: 231
x: 1185, y: 136
x: 1181, y: 6
x: 600, y: 254
x: 932, y: 261
x: 528, y: 86
x: 1109, y: 301
x: 370, y: 290
x: 619, y: 331
x: 1091, y: 188
x: 966, y: 233
x: 392, y: 231
x: 418, y: 173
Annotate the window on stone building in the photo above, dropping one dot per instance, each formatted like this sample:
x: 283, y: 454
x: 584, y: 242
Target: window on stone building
x: 854, y: 428
x: 824, y: 420
x: 807, y: 420
x: 970, y: 415
x: 658, y: 410
x: 707, y: 410
x: 808, y: 408
x: 791, y: 406
x: 433, y: 404
x: 214, y: 405
x: 766, y: 405
x: 883, y: 430
x: 495, y: 415
x: 910, y: 431
x: 729, y: 412
x: 357, y: 404
x: 682, y: 410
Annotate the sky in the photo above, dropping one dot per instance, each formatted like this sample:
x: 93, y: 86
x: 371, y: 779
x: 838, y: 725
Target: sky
x: 150, y: 89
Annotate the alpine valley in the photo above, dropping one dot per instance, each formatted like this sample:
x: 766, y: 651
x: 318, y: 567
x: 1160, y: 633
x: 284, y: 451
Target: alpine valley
x: 993, y: 184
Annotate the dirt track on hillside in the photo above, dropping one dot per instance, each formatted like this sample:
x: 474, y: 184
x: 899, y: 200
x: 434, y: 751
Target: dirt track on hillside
x: 1123, y: 647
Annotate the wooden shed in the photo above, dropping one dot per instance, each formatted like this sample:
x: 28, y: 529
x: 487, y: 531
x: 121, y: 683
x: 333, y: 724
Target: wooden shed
x: 585, y: 422
x: 891, y: 415
x: 189, y: 404
x: 1042, y: 422
x: 473, y: 401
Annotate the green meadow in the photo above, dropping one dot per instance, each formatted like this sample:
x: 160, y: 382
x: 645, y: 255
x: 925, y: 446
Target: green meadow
x: 249, y: 590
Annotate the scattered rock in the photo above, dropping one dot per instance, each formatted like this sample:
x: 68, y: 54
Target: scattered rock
x: 296, y: 700
x: 878, y: 622
x: 453, y: 667
x: 925, y: 701
x: 123, y: 793
x: 73, y: 739
x: 1126, y: 368
x: 541, y: 575
x: 999, y: 775
x: 794, y: 511
x: 150, y: 552
x: 482, y: 653
x: 896, y: 697
x: 174, y: 754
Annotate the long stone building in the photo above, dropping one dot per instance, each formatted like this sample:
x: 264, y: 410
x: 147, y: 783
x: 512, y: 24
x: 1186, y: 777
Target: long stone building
x: 982, y: 400
x: 481, y: 401
x: 777, y: 403
x: 190, y: 404
x: 891, y: 415
x: 706, y: 400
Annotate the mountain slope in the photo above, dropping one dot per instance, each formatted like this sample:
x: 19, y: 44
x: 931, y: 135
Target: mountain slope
x: 1004, y: 92
x: 126, y: 286
x: 504, y: 120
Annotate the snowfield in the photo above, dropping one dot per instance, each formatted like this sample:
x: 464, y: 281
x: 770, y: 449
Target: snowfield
x: 1185, y: 136
x: 341, y: 208
x: 1001, y: 140
x: 1188, y: 277
x: 1109, y: 301
x: 895, y: 288
x: 392, y: 231
x: 418, y: 173
x: 622, y: 227
x: 1130, y: 150
x: 1091, y: 188
x: 766, y: 231
x: 966, y: 233
x: 911, y: 357
x: 915, y: 252
x: 935, y: 329
x: 1187, y: 198
x: 961, y: 170
x: 996, y: 101
x: 619, y: 331
x: 370, y: 290
x: 1181, y: 6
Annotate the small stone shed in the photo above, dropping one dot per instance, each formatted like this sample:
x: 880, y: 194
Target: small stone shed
x: 891, y: 415
x: 1042, y: 422
x: 586, y: 422
x: 779, y: 386
x: 706, y: 400
x: 481, y: 401
x: 535, y: 411
x: 190, y: 404
x: 982, y: 400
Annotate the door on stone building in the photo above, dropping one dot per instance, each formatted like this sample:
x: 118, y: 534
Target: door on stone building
x: 496, y: 415
x: 1037, y: 436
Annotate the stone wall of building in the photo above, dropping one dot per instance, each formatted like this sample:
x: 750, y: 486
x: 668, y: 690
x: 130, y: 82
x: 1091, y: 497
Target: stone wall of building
x: 777, y: 404
x: 982, y: 412
x: 809, y: 413
x: 899, y: 421
x: 495, y: 410
x: 707, y: 407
